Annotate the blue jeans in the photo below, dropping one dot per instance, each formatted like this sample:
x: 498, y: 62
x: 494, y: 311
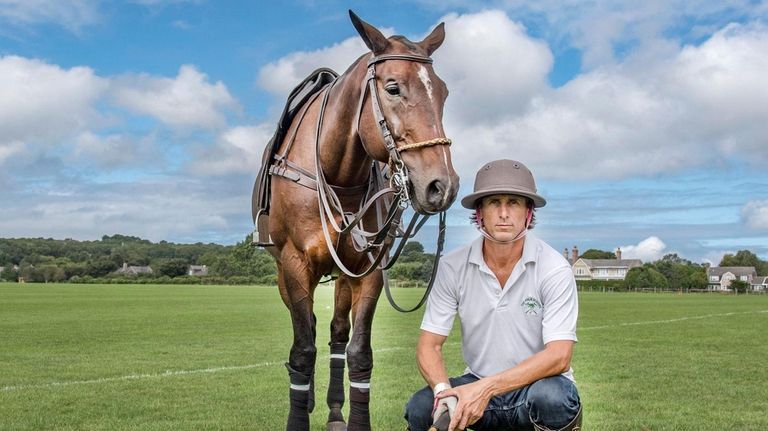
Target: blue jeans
x: 551, y: 402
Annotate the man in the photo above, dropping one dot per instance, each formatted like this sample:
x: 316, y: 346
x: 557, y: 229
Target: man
x: 517, y: 302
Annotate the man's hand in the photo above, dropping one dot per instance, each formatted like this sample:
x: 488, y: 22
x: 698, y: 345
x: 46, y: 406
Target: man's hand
x: 443, y: 404
x: 473, y: 399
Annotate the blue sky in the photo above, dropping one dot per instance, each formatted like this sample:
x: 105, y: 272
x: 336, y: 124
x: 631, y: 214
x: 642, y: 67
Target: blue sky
x: 645, y: 123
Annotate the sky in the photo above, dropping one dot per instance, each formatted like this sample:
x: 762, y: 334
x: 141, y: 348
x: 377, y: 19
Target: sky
x: 644, y: 123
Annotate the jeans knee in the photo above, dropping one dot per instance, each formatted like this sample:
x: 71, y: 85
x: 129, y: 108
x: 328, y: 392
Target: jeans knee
x: 418, y: 410
x: 553, y: 401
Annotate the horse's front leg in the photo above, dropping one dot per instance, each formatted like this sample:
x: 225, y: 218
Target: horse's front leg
x: 340, y: 326
x: 365, y: 294
x: 297, y: 285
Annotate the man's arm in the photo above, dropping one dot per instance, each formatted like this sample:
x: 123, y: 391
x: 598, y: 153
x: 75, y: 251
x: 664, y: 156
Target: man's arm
x: 429, y: 357
x: 474, y: 397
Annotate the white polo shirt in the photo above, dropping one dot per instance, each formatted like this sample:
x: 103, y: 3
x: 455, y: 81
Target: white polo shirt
x: 502, y: 327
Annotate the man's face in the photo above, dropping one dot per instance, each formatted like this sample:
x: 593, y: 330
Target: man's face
x: 504, y: 215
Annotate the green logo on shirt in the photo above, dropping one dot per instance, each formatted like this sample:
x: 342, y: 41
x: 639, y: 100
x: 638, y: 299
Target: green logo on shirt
x: 531, y: 305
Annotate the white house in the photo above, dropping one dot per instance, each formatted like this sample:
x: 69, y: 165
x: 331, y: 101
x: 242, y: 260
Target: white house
x: 604, y: 269
x: 600, y: 269
x: 760, y: 283
x: 720, y: 277
x: 198, y: 270
x: 134, y: 270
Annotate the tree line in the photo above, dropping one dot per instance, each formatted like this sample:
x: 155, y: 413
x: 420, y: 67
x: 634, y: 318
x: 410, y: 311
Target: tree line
x: 673, y: 272
x: 45, y: 260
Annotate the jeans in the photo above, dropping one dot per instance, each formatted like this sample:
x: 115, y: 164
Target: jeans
x: 551, y: 402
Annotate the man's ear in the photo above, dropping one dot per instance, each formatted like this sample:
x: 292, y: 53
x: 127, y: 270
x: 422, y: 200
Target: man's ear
x: 373, y: 38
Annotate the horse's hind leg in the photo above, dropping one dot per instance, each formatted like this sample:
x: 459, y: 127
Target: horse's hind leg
x: 297, y: 285
x: 340, y: 326
x: 365, y: 294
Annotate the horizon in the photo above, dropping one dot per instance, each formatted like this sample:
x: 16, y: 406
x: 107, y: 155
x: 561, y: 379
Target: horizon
x: 645, y: 125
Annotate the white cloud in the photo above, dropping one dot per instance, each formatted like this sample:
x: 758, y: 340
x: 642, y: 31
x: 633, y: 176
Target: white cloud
x: 237, y: 150
x: 755, y: 214
x: 187, y: 101
x: 647, y: 250
x: 115, y: 149
x: 655, y: 113
x: 41, y: 103
x: 70, y: 14
x: 281, y: 76
x: 493, y: 69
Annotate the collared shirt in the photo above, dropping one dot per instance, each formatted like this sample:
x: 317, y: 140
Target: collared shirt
x: 502, y: 327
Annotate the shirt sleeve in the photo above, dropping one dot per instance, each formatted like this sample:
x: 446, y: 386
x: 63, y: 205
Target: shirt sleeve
x: 443, y: 303
x: 561, y: 305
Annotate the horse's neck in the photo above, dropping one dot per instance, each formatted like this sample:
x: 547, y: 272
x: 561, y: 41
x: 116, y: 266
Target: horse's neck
x: 345, y: 161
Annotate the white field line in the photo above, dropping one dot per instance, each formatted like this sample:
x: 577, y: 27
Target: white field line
x: 679, y: 319
x: 171, y: 373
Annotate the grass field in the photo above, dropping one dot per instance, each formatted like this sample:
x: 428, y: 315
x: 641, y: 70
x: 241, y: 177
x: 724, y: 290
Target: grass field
x: 90, y: 357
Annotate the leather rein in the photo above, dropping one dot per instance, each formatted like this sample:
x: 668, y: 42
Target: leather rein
x: 394, y: 198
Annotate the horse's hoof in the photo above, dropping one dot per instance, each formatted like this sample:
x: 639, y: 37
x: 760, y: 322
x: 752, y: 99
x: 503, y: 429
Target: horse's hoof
x: 337, y: 426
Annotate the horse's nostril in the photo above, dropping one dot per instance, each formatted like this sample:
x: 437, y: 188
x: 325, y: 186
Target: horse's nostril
x: 435, y: 192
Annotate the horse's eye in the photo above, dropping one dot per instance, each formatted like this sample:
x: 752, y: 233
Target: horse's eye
x: 393, y: 89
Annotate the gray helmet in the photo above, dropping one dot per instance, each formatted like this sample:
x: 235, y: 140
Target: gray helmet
x: 503, y: 177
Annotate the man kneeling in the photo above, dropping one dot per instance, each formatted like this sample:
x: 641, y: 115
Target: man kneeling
x: 517, y: 302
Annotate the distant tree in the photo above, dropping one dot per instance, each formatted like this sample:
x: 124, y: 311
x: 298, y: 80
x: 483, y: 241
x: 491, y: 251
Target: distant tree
x: 172, y: 267
x: 594, y: 253
x: 741, y: 258
x: 697, y: 278
x: 100, y: 266
x: 739, y: 286
x: 645, y: 277
x: 412, y: 249
x: 50, y: 274
x: 8, y: 274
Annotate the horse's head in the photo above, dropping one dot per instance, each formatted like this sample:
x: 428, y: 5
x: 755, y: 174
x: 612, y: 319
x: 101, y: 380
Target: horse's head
x: 411, y: 97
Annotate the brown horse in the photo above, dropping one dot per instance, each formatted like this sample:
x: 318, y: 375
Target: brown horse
x: 410, y: 97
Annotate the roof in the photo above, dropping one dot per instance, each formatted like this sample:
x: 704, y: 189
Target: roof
x: 612, y: 263
x: 763, y: 279
x: 735, y: 270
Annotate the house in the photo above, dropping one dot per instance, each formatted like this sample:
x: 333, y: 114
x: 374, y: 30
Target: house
x: 760, y: 283
x: 720, y: 277
x: 198, y: 270
x: 602, y: 269
x: 133, y: 270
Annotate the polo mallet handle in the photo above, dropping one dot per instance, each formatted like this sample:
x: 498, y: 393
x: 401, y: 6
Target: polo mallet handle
x: 441, y: 424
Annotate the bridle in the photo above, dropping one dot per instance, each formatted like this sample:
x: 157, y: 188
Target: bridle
x: 376, y: 244
x: 400, y: 177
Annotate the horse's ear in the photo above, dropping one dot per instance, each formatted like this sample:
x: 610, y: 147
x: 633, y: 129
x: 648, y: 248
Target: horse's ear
x: 372, y: 37
x: 434, y: 40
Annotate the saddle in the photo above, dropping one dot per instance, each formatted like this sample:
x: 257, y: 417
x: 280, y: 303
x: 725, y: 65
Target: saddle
x: 262, y: 188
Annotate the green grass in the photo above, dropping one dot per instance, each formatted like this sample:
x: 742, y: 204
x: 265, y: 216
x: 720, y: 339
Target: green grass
x: 91, y: 357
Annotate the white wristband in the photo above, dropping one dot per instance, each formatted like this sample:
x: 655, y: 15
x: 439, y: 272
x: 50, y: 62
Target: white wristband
x: 440, y: 387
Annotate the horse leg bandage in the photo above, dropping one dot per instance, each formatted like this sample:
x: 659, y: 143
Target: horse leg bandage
x: 336, y: 383
x: 359, y: 399
x: 298, y: 416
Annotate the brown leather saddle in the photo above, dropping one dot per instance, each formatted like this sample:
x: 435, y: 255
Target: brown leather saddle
x: 260, y: 199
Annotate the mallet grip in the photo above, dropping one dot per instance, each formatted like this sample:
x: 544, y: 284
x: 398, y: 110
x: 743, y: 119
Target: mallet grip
x: 441, y: 424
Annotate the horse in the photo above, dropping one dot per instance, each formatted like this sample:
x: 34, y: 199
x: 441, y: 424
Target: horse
x: 386, y: 108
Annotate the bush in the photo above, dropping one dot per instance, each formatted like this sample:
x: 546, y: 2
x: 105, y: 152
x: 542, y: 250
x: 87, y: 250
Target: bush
x: 612, y: 285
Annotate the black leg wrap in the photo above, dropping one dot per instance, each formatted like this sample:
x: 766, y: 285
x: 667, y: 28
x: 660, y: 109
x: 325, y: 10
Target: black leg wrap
x: 311, y: 403
x: 298, y: 416
x: 359, y: 399
x: 336, y: 383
